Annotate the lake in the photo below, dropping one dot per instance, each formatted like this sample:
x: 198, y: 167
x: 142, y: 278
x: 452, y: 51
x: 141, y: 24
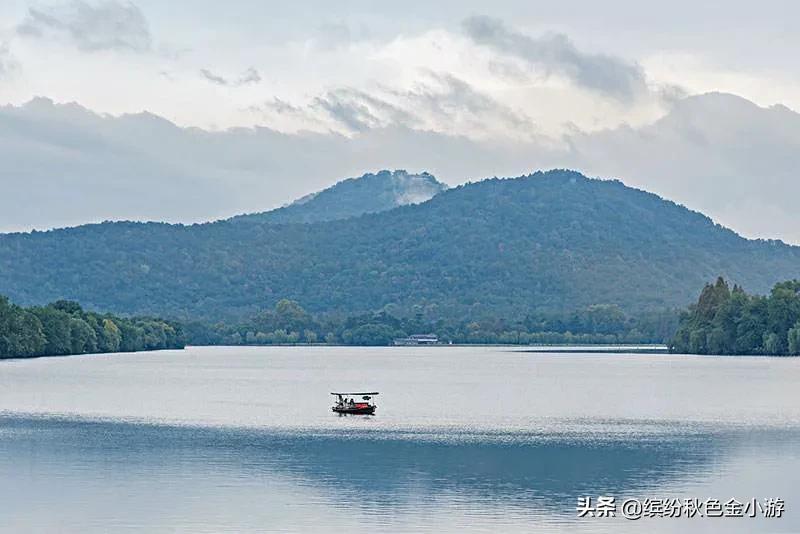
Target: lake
x: 240, y: 439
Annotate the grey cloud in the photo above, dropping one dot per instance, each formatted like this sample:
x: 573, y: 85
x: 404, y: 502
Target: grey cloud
x: 77, y: 166
x: 556, y: 54
x: 276, y: 107
x: 249, y: 76
x: 350, y: 112
x: 440, y: 99
x: 717, y: 153
x: 358, y: 111
x: 106, y: 25
x: 213, y: 78
x: 282, y: 107
x: 671, y: 93
x: 450, y: 96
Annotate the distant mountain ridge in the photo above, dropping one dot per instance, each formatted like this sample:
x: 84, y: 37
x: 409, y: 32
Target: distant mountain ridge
x: 550, y: 241
x: 720, y: 154
x: 370, y: 193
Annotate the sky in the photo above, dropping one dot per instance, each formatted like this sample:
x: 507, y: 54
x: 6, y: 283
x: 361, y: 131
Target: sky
x: 190, y: 111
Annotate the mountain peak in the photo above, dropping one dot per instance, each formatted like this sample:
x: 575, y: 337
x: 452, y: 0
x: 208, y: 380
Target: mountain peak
x: 369, y: 193
x: 550, y: 242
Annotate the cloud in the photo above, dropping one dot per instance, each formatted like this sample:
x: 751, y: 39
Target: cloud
x: 352, y: 113
x: 289, y: 117
x: 8, y: 65
x: 249, y: 76
x: 77, y: 166
x: 357, y: 110
x: 438, y: 102
x: 213, y: 78
x: 720, y: 154
x: 106, y: 25
x: 282, y: 107
x: 452, y: 100
x: 555, y: 54
x: 717, y: 153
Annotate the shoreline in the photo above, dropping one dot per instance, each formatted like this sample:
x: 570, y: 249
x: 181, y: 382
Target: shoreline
x: 529, y: 349
x: 39, y: 356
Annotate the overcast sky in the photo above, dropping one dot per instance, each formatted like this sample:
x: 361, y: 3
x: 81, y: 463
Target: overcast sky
x: 463, y: 89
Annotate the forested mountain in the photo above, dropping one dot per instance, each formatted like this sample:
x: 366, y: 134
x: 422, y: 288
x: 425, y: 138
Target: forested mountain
x: 371, y: 193
x: 547, y: 242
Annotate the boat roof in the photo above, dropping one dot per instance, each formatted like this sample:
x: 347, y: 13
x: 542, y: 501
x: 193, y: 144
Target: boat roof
x: 355, y: 393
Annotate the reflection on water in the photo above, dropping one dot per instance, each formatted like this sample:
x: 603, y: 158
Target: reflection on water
x: 478, y: 439
x: 62, y: 473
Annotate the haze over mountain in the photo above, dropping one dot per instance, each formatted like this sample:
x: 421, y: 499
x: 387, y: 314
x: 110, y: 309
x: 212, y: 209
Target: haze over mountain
x: 61, y: 164
x: 554, y: 241
x: 371, y: 193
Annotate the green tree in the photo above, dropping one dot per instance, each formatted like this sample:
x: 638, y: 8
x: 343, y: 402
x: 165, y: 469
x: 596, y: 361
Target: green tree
x: 21, y: 333
x: 63, y: 327
x: 794, y: 339
x: 310, y: 336
x: 772, y: 343
x: 732, y: 322
x: 112, y: 336
x: 57, y: 331
x: 82, y: 337
x: 372, y: 334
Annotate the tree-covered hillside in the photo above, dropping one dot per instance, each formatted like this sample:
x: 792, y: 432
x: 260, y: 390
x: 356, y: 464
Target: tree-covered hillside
x: 64, y: 327
x: 729, y: 321
x: 548, y: 242
x: 371, y: 193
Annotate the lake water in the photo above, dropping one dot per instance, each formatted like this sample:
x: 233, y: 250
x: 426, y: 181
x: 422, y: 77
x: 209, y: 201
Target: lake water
x: 465, y: 439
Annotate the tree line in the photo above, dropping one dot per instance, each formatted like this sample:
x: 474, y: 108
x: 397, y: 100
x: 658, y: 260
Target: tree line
x: 289, y: 323
x: 63, y: 327
x: 729, y: 321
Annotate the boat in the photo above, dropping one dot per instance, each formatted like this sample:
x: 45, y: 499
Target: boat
x: 347, y: 405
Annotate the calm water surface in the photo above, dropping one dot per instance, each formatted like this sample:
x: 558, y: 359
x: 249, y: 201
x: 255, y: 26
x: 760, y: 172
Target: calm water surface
x: 484, y: 439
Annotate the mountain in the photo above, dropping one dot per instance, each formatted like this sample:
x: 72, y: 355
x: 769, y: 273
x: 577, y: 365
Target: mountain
x: 719, y: 154
x: 550, y: 241
x: 371, y: 193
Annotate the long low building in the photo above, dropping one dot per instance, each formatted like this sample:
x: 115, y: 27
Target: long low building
x: 418, y: 339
